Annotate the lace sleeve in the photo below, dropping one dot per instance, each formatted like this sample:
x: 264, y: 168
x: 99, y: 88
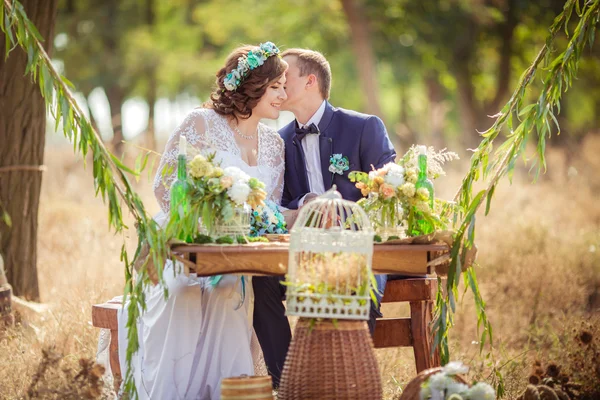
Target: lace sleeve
x: 193, y: 128
x: 279, y: 164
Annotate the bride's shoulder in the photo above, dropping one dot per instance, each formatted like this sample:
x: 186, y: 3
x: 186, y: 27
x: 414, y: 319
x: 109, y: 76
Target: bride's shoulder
x: 271, y: 134
x: 198, y: 119
x: 195, y: 117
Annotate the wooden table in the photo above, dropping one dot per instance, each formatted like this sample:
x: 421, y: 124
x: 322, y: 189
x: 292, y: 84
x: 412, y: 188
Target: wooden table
x: 272, y: 258
x: 391, y: 259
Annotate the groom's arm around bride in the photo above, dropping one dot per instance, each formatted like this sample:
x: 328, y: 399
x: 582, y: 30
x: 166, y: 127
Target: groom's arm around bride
x: 322, y: 145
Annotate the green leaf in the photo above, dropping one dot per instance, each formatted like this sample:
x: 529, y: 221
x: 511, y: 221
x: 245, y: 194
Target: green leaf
x: 9, y: 35
x: 33, y: 30
x: 6, y: 218
x: 527, y: 109
x: 490, y: 195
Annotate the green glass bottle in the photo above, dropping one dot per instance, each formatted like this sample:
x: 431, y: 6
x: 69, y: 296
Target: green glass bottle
x: 180, y: 201
x: 423, y: 225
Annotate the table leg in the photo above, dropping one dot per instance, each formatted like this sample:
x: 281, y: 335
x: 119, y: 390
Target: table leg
x: 421, y: 315
x: 113, y: 352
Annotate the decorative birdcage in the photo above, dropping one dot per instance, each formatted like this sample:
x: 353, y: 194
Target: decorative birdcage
x: 329, y: 268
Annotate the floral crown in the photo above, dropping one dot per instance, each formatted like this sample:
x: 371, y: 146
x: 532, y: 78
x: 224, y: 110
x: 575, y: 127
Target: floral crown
x: 252, y: 60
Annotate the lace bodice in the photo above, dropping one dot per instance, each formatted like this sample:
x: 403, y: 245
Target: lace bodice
x: 208, y: 132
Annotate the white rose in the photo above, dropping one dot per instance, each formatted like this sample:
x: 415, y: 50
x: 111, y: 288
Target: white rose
x: 439, y: 381
x: 236, y: 174
x: 453, y: 367
x: 481, y: 391
x: 238, y: 192
x: 395, y: 176
x: 454, y: 387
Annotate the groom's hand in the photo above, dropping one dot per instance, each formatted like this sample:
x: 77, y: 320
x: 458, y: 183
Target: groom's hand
x: 309, y: 197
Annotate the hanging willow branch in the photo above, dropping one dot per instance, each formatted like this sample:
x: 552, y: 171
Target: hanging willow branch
x: 535, y: 118
x: 110, y: 179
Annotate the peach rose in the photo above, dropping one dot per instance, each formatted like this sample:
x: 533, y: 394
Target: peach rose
x: 226, y: 182
x: 387, y: 190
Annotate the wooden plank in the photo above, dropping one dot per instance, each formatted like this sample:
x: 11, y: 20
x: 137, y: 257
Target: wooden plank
x: 417, y: 289
x: 256, y: 262
x: 392, y: 332
x: 390, y: 261
x: 272, y: 258
x: 105, y: 315
x: 421, y: 314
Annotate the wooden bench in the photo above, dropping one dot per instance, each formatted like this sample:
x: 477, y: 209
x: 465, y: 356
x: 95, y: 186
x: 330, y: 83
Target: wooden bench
x: 389, y: 332
x: 105, y: 316
x: 413, y: 331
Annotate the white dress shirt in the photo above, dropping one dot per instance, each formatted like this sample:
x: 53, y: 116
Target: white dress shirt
x: 312, y: 155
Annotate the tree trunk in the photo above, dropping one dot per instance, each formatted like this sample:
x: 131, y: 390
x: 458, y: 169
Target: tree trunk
x: 114, y: 91
x: 22, y: 134
x: 506, y: 33
x: 470, y: 111
x: 363, y: 53
x: 467, y: 108
x: 151, y: 95
x: 404, y: 132
x: 116, y: 97
x: 437, y: 110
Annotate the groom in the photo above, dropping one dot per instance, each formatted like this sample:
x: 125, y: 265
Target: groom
x: 319, y: 132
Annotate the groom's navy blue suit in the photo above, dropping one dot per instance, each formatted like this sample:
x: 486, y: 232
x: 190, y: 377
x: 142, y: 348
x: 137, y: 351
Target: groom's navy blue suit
x: 364, y: 140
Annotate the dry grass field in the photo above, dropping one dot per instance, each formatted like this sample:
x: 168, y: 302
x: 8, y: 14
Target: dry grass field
x: 539, y: 255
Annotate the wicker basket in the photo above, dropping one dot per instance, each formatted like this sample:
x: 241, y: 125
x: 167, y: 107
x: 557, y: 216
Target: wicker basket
x: 330, y: 361
x: 247, y: 387
x: 412, y: 390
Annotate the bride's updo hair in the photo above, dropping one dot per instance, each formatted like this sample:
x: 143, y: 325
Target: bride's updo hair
x: 241, y: 101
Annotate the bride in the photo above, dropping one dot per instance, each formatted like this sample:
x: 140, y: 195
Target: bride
x: 200, y: 334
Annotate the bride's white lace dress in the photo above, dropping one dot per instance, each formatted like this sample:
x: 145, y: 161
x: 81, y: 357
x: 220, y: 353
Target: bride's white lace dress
x: 200, y: 334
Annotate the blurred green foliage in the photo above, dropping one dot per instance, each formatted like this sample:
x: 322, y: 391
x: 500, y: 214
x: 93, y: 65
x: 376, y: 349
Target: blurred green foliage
x: 442, y: 66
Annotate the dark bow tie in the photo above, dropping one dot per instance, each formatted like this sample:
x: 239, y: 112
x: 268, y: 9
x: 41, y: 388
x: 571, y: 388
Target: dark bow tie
x: 312, y: 129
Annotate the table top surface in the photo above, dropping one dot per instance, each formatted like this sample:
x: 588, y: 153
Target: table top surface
x: 283, y: 247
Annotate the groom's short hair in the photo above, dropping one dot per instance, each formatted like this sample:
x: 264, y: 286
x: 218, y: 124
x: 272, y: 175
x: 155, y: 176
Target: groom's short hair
x: 313, y: 62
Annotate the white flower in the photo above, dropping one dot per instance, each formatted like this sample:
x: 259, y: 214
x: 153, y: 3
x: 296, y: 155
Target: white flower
x: 423, y: 194
x: 395, y: 174
x: 423, y: 207
x: 453, y: 367
x: 372, y: 175
x: 481, y: 391
x: 425, y: 393
x: 236, y: 174
x: 412, y: 175
x: 408, y: 189
x: 200, y: 167
x: 454, y: 387
x: 439, y: 381
x: 238, y: 192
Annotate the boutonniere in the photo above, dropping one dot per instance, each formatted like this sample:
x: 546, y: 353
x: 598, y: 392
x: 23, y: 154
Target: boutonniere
x: 338, y: 164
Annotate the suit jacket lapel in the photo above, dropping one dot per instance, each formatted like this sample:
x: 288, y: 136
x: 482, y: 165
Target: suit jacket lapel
x: 326, y: 145
x: 299, y: 164
x: 326, y: 150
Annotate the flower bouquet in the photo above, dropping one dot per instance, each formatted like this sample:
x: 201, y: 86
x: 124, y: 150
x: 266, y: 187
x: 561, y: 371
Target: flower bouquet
x: 220, y: 198
x: 396, y: 202
x: 444, y: 385
x: 267, y: 219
